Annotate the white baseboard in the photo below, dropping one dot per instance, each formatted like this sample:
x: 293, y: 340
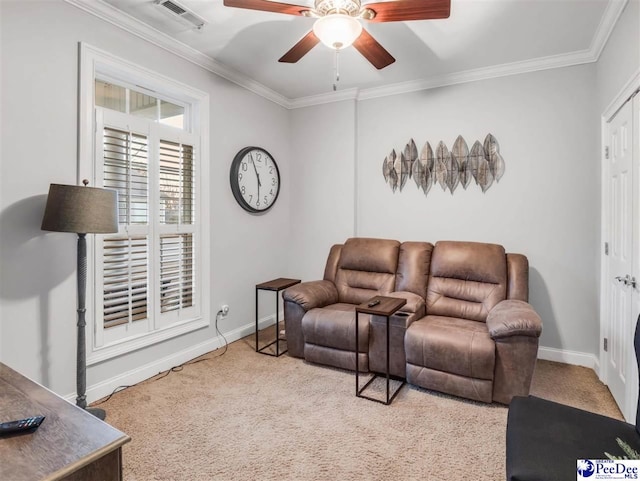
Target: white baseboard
x: 139, y: 374
x: 569, y: 357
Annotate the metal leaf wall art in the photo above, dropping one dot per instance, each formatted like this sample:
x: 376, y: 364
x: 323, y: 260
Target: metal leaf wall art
x: 423, y: 168
x: 460, y: 152
x: 389, y: 171
x: 492, y: 154
x: 411, y: 155
x: 483, y: 163
x: 443, y: 161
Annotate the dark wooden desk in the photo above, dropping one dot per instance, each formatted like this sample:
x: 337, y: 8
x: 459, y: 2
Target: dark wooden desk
x: 70, y: 444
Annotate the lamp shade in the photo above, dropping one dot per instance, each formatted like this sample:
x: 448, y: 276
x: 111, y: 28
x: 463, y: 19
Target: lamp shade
x: 337, y: 30
x: 82, y: 210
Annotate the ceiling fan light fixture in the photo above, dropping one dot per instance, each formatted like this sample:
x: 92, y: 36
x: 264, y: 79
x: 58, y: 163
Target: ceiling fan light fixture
x: 337, y: 31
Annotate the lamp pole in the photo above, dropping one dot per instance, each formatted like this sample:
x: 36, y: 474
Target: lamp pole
x: 81, y: 210
x: 81, y: 357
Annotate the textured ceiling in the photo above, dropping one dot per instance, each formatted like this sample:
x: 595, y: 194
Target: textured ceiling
x: 479, y: 34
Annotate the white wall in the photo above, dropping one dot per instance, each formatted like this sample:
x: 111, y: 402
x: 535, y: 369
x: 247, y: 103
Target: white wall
x: 620, y: 58
x: 322, y: 184
x: 543, y: 207
x: 546, y: 205
x: 39, y: 132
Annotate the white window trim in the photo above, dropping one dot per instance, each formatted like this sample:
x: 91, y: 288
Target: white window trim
x: 94, y: 62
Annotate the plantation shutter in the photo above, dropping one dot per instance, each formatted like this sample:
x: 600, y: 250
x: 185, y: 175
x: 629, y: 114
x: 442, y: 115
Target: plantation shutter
x: 125, y: 258
x: 176, y: 217
x: 176, y: 272
x: 125, y: 275
x: 126, y: 169
x: 176, y: 183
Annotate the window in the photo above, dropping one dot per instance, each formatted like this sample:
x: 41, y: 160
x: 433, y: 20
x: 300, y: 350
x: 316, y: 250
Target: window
x: 121, y: 99
x: 150, y: 277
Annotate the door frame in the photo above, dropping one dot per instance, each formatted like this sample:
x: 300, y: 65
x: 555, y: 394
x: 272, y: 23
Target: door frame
x: 629, y: 409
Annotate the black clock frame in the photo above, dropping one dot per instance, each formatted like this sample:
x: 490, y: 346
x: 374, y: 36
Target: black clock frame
x: 233, y: 180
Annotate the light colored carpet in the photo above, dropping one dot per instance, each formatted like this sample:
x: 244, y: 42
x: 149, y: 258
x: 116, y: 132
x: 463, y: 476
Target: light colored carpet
x: 246, y: 416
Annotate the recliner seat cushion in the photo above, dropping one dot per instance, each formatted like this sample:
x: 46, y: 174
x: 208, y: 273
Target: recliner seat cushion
x: 456, y: 346
x: 335, y: 326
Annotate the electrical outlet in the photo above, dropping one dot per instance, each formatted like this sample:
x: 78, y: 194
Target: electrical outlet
x: 224, y: 309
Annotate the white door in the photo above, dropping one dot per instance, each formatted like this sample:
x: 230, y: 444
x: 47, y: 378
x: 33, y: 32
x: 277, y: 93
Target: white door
x: 622, y: 253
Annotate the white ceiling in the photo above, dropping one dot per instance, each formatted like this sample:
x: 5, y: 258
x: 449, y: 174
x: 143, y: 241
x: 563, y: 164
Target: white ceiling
x: 480, y: 35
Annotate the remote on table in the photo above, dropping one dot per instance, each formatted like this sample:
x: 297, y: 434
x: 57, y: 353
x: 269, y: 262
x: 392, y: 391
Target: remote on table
x: 20, y: 425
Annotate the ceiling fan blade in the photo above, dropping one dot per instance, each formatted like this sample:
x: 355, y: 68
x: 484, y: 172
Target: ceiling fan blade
x: 267, y: 6
x: 372, y: 50
x: 301, y: 48
x: 402, y: 10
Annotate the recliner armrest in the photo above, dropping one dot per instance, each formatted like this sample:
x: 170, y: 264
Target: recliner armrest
x: 309, y: 295
x: 415, y: 304
x: 513, y: 318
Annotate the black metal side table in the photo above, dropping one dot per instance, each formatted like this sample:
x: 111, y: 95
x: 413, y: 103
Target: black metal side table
x: 275, y: 285
x: 386, y: 307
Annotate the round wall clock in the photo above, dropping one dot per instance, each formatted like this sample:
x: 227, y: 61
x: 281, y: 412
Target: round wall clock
x: 255, y: 179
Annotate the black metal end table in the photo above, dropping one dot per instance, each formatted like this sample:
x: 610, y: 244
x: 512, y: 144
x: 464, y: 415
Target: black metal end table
x: 386, y: 307
x: 275, y: 285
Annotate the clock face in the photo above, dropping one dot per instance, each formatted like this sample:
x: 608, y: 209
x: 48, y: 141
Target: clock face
x: 255, y: 179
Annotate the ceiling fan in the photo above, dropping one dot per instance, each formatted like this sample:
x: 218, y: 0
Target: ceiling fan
x: 338, y: 24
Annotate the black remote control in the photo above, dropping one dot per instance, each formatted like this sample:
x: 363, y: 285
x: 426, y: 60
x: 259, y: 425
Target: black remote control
x: 374, y: 303
x: 21, y: 425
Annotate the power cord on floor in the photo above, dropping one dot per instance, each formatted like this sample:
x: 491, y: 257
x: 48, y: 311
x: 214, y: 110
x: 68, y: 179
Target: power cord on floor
x: 116, y: 390
x: 226, y: 343
x: 177, y: 368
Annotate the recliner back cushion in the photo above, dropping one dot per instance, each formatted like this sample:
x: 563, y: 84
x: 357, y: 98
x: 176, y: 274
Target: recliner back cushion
x: 467, y: 279
x: 413, y: 267
x: 518, y: 274
x: 331, y: 267
x: 367, y: 267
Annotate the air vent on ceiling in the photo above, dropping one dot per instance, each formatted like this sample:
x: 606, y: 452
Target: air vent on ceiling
x: 180, y: 12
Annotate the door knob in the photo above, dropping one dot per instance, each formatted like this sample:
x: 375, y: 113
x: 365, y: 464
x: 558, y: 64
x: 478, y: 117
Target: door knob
x: 627, y: 280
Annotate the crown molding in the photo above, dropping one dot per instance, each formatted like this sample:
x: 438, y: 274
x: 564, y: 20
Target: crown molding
x: 103, y: 10
x: 495, y: 71
x: 607, y: 23
x: 627, y: 91
x: 120, y: 19
x: 338, y: 96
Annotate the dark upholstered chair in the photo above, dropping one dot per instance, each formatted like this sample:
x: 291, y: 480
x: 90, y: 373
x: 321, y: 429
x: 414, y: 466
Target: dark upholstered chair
x: 545, y: 439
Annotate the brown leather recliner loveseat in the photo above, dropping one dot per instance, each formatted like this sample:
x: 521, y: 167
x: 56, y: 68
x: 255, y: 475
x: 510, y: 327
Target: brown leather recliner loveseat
x: 466, y: 328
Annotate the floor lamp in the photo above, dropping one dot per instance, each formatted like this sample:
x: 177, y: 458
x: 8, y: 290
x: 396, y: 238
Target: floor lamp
x: 81, y: 210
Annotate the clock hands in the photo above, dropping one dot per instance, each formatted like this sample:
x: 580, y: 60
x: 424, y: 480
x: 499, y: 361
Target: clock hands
x: 257, y: 175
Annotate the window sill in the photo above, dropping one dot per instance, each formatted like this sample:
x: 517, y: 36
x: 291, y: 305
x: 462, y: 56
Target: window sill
x: 126, y: 346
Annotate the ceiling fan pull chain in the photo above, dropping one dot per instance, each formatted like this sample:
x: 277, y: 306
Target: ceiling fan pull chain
x: 335, y: 84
